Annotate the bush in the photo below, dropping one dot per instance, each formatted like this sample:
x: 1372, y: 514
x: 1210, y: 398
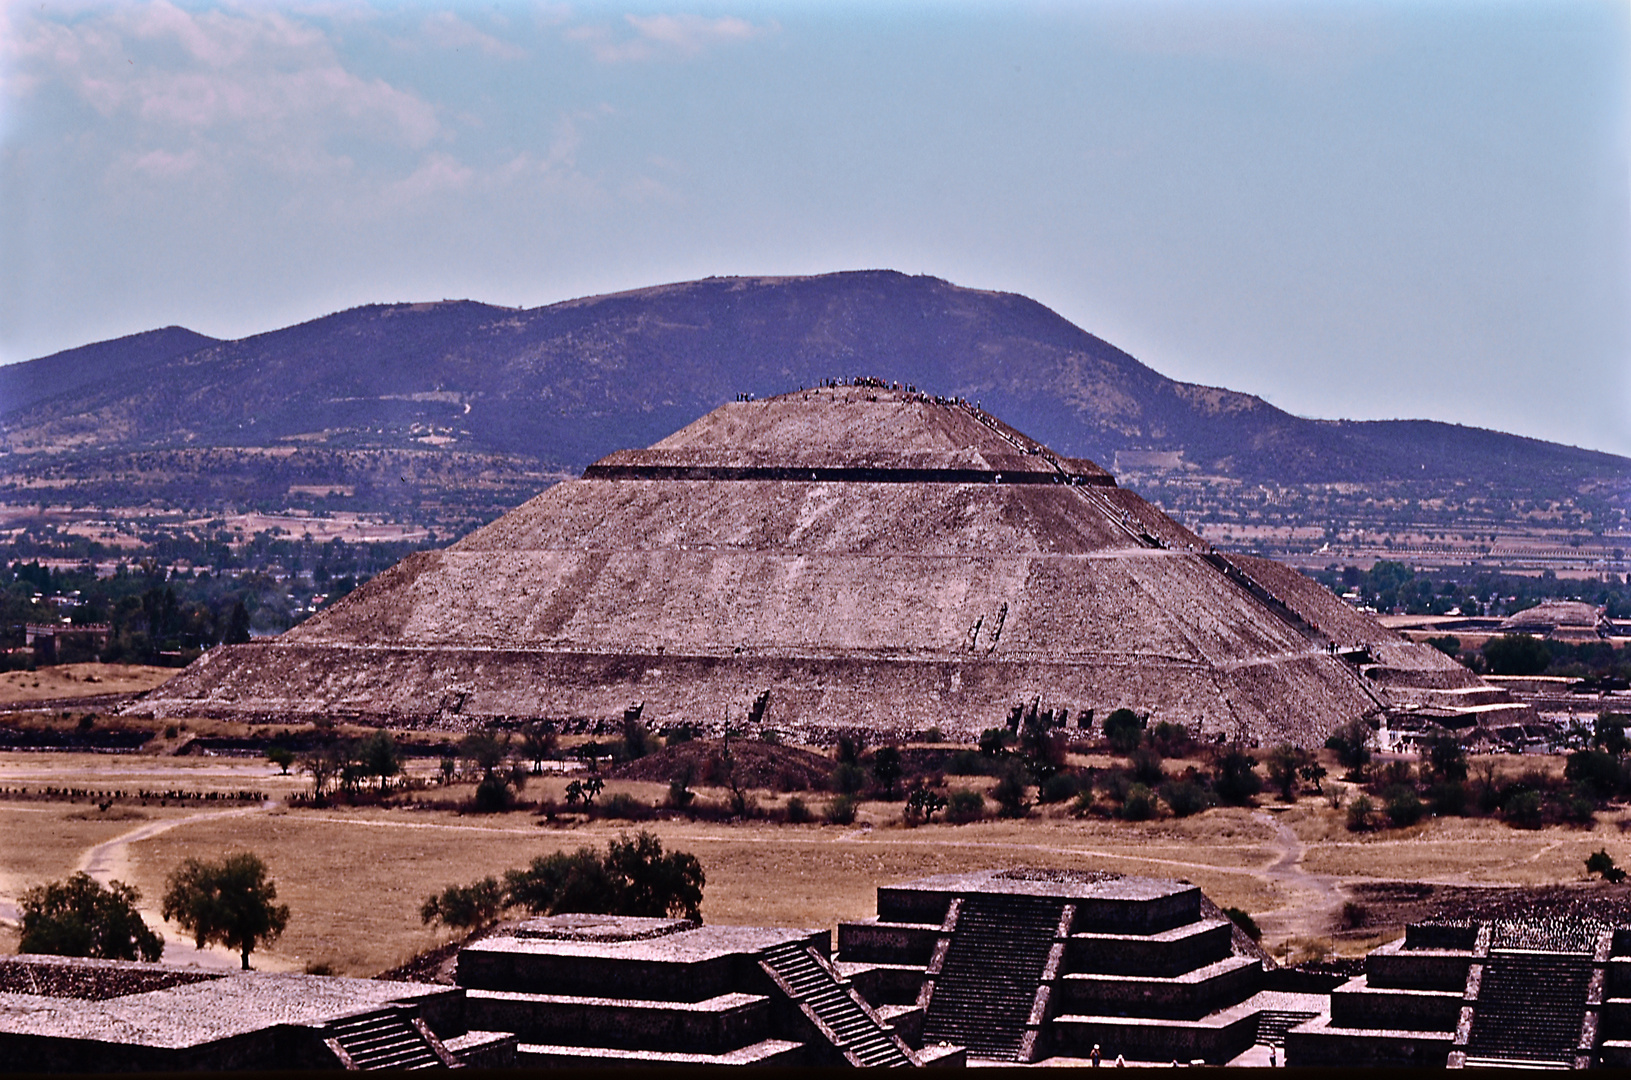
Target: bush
x: 1139, y: 805
x: 1171, y: 740
x: 1011, y: 794
x: 1354, y: 915
x: 1448, y: 644
x: 1516, y: 654
x: 1523, y: 809
x: 964, y: 805
x: 994, y: 741
x: 1404, y: 807
x: 493, y: 795
x: 848, y: 778
x: 465, y: 907
x: 1599, y: 862
x: 1577, y: 807
x: 1246, y: 923
x: 1448, y: 800
x: 1596, y: 771
x: 78, y: 917
x: 634, y: 877
x: 627, y: 807
x: 1124, y: 729
x: 1186, y: 796
x: 797, y: 812
x: 1146, y: 767
x: 968, y: 763
x: 841, y: 810
x: 1237, y: 781
x: 1058, y: 787
x: 1361, y: 814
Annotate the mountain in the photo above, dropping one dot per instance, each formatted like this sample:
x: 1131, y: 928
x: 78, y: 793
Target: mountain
x: 544, y: 391
x: 22, y: 385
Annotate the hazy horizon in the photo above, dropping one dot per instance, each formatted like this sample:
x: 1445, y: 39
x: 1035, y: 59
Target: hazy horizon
x: 1353, y: 210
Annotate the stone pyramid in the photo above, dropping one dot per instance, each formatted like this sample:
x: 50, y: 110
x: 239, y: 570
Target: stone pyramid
x: 874, y: 558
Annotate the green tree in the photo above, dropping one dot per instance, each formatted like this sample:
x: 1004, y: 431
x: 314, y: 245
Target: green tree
x: 379, y: 757
x: 1447, y: 759
x: 635, y: 877
x: 228, y: 902
x: 1516, y: 654
x: 237, y: 632
x: 465, y: 907
x: 281, y: 756
x: 78, y: 917
x: 1236, y: 781
x: 1124, y: 729
x: 1351, y: 743
x: 1285, y: 763
x: 886, y: 768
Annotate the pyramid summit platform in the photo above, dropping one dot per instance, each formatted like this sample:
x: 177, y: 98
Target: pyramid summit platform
x: 873, y: 557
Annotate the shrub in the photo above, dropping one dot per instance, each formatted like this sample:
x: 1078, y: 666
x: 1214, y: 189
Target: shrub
x: 968, y: 763
x: 797, y: 812
x: 1600, y: 862
x: 493, y: 795
x: 1011, y: 793
x: 965, y: 805
x: 841, y: 810
x: 1447, y: 760
x: 1448, y: 799
x: 634, y: 877
x: 1171, y: 740
x: 1516, y: 654
x: 1404, y: 807
x: 680, y: 796
x: 1146, y: 767
x: 1522, y: 809
x: 1596, y: 771
x: 681, y: 733
x: 1361, y: 814
x: 886, y: 769
x: 1354, y: 915
x: 1448, y: 644
x: 1577, y: 807
x: 1058, y: 787
x: 994, y: 741
x: 465, y: 907
x: 1186, y: 796
x: 1237, y: 781
x: 627, y: 807
x: 1124, y: 729
x: 848, y: 778
x: 1139, y: 805
x: 1246, y: 923
x: 78, y: 917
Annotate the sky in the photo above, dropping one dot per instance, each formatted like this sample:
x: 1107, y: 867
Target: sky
x: 1363, y: 210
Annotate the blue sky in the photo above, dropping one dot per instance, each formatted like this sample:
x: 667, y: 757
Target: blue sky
x: 1364, y: 210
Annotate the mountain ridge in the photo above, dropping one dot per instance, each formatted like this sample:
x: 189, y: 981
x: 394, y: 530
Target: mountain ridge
x: 567, y: 383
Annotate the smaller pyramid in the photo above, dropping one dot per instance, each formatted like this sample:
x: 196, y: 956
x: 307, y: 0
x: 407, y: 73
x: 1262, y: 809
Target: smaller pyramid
x: 872, y: 556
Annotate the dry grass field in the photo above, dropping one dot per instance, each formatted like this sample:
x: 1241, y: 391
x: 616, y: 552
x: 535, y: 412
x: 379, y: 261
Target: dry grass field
x: 355, y: 877
x: 80, y: 680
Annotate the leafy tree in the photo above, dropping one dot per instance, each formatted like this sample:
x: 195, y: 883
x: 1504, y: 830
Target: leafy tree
x: 1011, y: 794
x: 635, y: 877
x: 922, y: 803
x: 538, y: 742
x: 1609, y: 733
x: 1240, y: 918
x: 1186, y: 796
x: 994, y: 741
x: 1361, y: 814
x: 282, y: 757
x: 886, y: 768
x: 1447, y: 759
x: 965, y: 805
x: 1139, y: 804
x: 379, y: 757
x: 237, y: 632
x: 636, y: 739
x: 1124, y: 729
x: 229, y: 902
x: 1448, y: 644
x: 1596, y: 771
x: 1351, y: 743
x: 1285, y: 762
x: 584, y: 791
x: 1601, y: 862
x: 1237, y: 780
x: 1516, y: 654
x: 78, y: 917
x: 1404, y: 807
x: 323, y: 766
x: 465, y: 907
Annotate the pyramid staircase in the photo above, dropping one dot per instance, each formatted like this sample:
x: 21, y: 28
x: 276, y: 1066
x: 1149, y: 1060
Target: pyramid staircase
x: 837, y: 1010
x: 1529, y: 1010
x: 991, y: 973
x: 390, y: 1038
x: 1272, y: 1025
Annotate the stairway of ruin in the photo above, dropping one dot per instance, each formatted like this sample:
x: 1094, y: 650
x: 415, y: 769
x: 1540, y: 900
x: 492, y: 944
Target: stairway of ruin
x: 859, y: 1033
x: 1530, y: 1009
x: 385, y: 1039
x: 994, y: 965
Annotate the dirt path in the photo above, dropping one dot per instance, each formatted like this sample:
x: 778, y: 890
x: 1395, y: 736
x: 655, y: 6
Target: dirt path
x: 110, y: 860
x: 1314, y: 901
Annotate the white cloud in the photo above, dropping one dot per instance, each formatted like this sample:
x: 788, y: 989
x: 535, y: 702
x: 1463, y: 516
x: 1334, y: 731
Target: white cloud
x: 446, y: 30
x: 653, y: 36
x: 240, y: 81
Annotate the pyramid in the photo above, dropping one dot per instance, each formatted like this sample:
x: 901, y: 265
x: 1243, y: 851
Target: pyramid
x: 875, y: 558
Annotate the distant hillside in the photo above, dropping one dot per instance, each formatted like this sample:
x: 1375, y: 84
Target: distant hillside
x: 553, y: 388
x: 22, y: 385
